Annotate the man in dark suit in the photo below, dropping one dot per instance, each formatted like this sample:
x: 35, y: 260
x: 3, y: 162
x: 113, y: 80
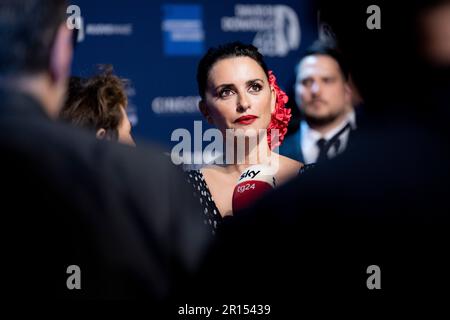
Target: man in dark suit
x: 324, y: 98
x: 81, y: 218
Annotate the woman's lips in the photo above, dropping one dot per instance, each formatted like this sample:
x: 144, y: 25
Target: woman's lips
x: 246, y: 120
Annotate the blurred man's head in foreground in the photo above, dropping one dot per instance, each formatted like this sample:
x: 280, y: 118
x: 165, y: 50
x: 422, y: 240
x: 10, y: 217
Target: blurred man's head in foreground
x: 36, y: 49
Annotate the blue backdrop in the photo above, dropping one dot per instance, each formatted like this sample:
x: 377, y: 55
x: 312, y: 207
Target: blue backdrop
x: 157, y: 45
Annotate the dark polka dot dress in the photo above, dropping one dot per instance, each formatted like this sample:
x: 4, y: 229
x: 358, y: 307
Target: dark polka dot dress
x: 211, y: 215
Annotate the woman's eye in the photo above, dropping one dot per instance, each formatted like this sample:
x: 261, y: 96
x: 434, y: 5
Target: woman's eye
x: 255, y: 87
x: 225, y: 93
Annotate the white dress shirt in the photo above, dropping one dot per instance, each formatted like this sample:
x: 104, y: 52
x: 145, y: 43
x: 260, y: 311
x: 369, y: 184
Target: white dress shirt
x: 309, y: 138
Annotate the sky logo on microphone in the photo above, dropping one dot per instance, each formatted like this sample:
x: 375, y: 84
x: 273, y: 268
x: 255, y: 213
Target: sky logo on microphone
x: 249, y: 173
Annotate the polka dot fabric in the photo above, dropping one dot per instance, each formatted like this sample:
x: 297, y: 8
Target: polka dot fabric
x: 211, y: 215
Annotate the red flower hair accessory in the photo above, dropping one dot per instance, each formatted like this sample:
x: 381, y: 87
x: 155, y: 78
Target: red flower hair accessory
x: 281, y: 116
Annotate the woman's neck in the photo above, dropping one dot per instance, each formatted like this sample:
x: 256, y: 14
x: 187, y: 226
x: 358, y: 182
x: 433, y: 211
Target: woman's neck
x: 245, y: 152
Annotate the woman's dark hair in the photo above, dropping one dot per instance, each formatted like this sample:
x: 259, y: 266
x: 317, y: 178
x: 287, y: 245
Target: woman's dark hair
x: 228, y: 50
x: 96, y: 102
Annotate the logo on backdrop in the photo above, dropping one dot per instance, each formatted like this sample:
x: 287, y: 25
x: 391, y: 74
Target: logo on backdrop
x: 182, y: 28
x: 277, y: 27
x: 181, y: 104
x: 102, y: 29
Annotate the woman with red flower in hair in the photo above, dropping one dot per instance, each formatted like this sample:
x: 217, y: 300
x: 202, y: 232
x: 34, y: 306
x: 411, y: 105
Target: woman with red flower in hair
x: 240, y: 95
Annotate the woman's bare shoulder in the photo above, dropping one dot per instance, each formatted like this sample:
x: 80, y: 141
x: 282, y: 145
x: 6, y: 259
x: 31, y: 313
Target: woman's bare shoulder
x: 290, y: 164
x: 288, y: 169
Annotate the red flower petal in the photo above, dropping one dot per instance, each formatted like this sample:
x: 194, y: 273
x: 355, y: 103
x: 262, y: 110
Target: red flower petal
x: 281, y: 116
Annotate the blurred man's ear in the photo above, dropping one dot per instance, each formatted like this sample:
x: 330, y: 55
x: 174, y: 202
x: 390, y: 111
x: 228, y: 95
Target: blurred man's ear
x: 348, y: 94
x: 61, y: 55
x: 356, y: 96
x: 100, y: 134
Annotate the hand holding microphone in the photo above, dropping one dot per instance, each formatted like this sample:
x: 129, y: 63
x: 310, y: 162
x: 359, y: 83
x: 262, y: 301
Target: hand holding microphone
x: 253, y: 183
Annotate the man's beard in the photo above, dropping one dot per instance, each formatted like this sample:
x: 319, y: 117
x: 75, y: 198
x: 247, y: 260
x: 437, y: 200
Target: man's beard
x: 318, y: 121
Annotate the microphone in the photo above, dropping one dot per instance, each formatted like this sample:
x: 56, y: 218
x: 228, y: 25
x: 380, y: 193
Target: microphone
x: 253, y: 183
